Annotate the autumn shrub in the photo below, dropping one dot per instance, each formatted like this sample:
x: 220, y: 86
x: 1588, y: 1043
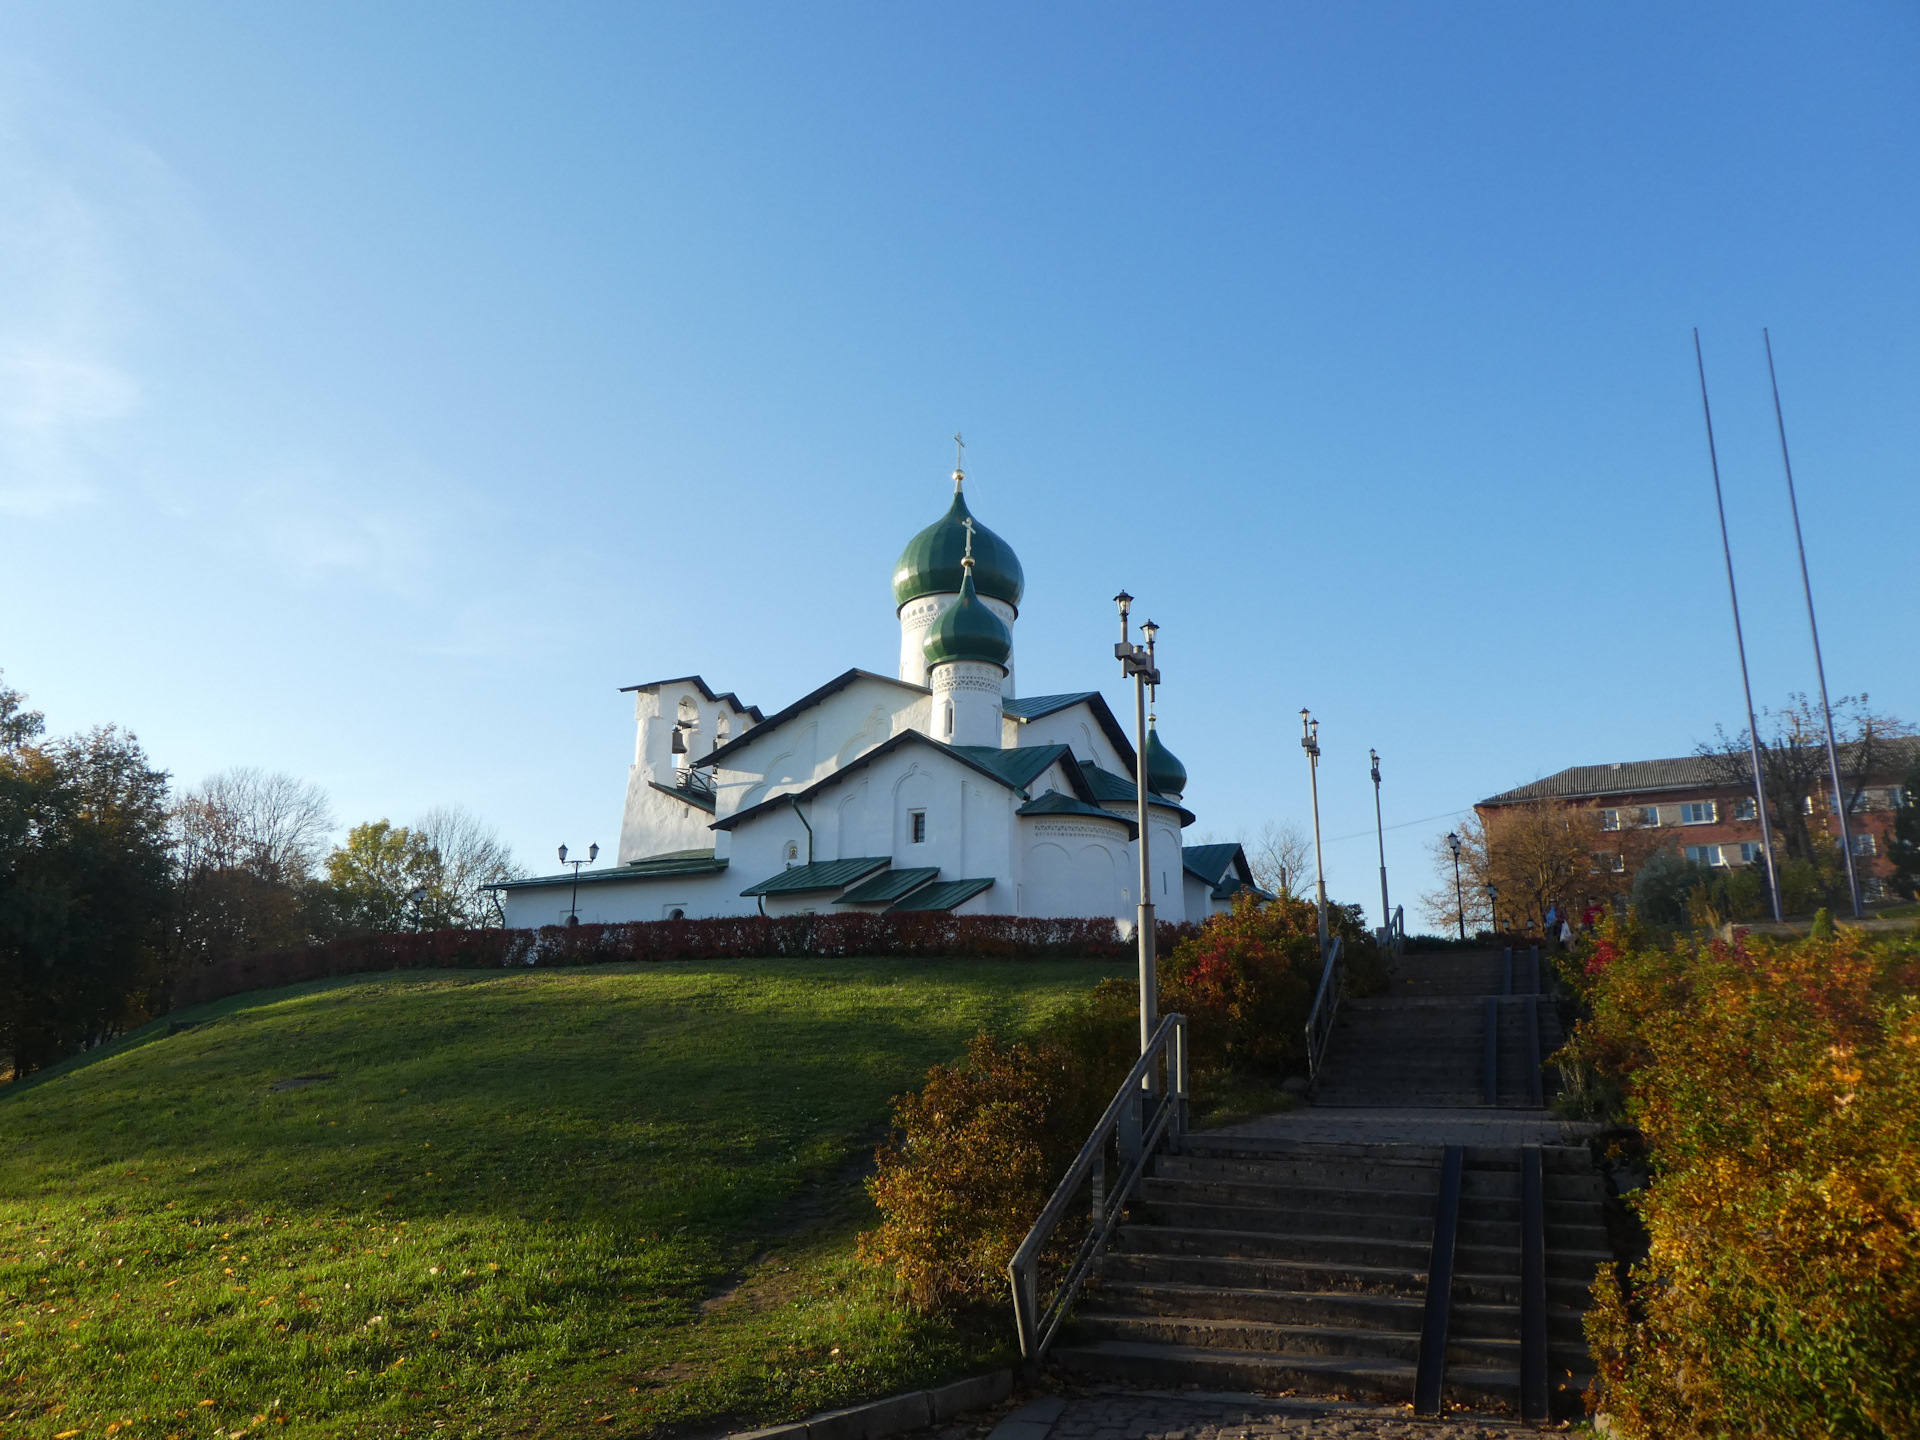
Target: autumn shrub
x: 978, y: 1150
x: 975, y: 1153
x: 1778, y: 1091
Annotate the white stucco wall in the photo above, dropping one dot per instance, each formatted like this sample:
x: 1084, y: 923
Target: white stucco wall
x: 614, y: 902
x: 817, y: 742
x: 965, y: 705
x: 652, y: 823
x: 1076, y: 726
x: 1073, y: 865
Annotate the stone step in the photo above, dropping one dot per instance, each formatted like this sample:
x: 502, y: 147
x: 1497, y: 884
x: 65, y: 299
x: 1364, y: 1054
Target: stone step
x: 1259, y: 1336
x: 1385, y: 1380
x: 1405, y: 1172
x: 1351, y: 1224
x: 1174, y: 1238
x: 1253, y: 1272
x: 1339, y: 1308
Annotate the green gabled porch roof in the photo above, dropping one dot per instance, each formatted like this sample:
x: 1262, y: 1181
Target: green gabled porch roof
x: 819, y: 875
x: 889, y: 885
x: 1223, y: 866
x: 943, y: 896
x: 1054, y: 803
x: 1111, y: 789
x: 697, y: 799
x: 674, y: 862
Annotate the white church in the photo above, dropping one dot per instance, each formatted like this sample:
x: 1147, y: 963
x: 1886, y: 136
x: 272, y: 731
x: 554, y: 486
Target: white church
x: 936, y: 789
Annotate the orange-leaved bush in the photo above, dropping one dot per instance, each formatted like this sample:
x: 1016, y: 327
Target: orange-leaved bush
x: 975, y: 1154
x: 1778, y: 1090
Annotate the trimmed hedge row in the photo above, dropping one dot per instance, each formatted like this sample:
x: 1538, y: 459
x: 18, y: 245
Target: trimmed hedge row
x: 907, y: 935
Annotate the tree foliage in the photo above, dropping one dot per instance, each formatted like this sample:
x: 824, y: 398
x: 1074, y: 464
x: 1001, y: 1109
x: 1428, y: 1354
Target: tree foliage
x: 1774, y: 1085
x: 84, y: 886
x: 247, y: 844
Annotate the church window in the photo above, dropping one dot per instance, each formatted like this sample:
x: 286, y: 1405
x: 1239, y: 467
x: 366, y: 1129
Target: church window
x: 949, y: 717
x: 721, y: 731
x: 917, y: 826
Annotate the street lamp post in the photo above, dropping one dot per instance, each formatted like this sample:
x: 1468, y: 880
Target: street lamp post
x: 1380, y: 834
x: 1459, y: 899
x: 415, y: 896
x: 1137, y: 661
x: 593, y: 853
x: 1493, y: 906
x: 1310, y: 742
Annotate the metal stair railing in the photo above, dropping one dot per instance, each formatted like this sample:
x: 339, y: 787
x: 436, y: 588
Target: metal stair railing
x: 1326, y: 1007
x: 1138, y: 1120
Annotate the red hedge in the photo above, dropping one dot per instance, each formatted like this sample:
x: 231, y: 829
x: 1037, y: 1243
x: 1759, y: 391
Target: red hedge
x: 924, y: 934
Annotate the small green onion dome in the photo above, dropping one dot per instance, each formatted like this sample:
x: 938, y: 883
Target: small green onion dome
x: 930, y: 565
x: 1165, y: 774
x: 968, y: 630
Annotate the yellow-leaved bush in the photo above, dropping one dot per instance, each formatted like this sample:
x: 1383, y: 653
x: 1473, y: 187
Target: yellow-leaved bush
x: 1777, y: 1087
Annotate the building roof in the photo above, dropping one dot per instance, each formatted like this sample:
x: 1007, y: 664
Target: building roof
x: 943, y: 896
x: 930, y: 565
x: 698, y: 799
x: 1111, y: 789
x: 1223, y: 866
x: 1054, y: 803
x: 1016, y: 769
x: 1685, y: 772
x: 1165, y: 773
x: 727, y: 695
x: 967, y: 630
x: 1035, y: 707
x: 889, y: 885
x: 673, y: 862
x: 805, y: 702
x: 819, y: 875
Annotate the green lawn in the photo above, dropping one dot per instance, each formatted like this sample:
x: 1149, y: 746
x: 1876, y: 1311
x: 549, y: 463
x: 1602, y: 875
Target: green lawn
x: 547, y: 1203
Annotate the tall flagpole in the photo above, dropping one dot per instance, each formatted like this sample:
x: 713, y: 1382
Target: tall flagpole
x: 1739, y: 640
x: 1819, y: 665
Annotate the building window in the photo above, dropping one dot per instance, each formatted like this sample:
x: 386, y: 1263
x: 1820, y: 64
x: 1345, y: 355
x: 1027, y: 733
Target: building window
x: 917, y: 826
x: 1648, y: 816
x: 1744, y: 808
x: 1705, y: 854
x: 1609, y: 819
x: 949, y: 717
x: 1610, y: 862
x: 1863, y: 844
x: 1896, y: 797
x: 1698, y: 812
x: 1749, y: 852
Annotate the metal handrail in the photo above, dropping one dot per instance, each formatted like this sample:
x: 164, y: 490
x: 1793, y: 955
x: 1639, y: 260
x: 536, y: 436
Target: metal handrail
x: 1326, y: 1006
x: 1138, y: 1136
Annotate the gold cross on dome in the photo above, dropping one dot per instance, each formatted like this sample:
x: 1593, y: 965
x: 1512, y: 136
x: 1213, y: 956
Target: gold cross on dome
x: 959, y: 459
x: 967, y: 559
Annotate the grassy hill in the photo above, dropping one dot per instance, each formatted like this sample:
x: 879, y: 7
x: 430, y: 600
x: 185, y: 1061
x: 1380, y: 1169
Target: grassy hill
x: 544, y: 1203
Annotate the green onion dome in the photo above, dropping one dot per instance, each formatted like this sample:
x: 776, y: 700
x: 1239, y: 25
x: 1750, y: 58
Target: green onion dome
x: 968, y: 630
x: 930, y: 565
x: 1165, y: 774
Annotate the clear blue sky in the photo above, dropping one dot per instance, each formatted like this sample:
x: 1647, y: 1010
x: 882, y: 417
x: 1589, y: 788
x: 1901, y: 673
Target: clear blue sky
x: 382, y: 387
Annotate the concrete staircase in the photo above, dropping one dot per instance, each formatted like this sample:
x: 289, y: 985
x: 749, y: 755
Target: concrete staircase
x: 1277, y: 1264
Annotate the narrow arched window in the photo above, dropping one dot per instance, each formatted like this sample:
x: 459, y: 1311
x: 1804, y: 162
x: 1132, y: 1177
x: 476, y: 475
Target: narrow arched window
x: 949, y: 717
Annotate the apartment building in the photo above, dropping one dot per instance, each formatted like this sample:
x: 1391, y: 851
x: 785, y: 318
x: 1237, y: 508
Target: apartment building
x: 1690, y: 802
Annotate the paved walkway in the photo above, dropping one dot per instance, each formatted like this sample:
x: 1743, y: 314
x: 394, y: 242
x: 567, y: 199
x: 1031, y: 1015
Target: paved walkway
x: 1109, y: 1413
x: 1372, y: 1125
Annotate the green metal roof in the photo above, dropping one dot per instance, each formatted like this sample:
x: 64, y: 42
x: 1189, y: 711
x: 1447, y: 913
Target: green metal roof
x: 889, y: 885
x: 1224, y: 867
x: 1165, y: 774
x: 1018, y: 767
x: 930, y: 565
x: 819, y: 875
x: 1054, y: 803
x: 944, y: 896
x: 674, y: 862
x: 967, y: 630
x: 1111, y: 789
x: 700, y: 800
